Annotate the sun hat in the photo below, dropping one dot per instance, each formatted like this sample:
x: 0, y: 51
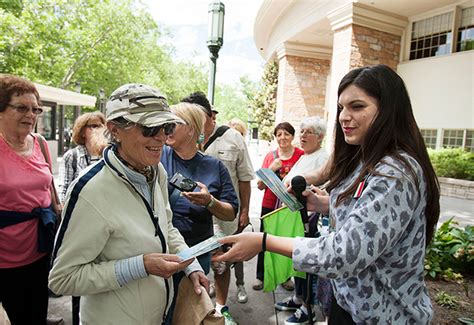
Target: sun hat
x: 140, y: 104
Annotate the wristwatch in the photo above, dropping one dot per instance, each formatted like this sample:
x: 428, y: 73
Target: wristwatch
x: 211, y: 203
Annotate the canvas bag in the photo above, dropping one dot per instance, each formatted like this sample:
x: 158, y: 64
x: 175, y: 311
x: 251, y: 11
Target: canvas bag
x: 194, y: 309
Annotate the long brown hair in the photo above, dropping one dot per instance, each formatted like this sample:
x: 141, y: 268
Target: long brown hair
x: 393, y: 130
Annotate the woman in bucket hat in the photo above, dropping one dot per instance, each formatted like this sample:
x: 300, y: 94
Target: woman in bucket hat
x: 116, y: 243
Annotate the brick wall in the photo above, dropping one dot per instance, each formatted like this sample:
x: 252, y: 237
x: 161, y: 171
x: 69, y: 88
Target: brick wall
x: 301, y: 88
x: 370, y: 46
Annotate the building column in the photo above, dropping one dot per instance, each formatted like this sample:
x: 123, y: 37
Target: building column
x: 362, y: 36
x: 302, y: 76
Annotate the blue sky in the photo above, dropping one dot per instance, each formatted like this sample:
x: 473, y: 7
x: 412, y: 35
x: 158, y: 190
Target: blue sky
x: 187, y: 22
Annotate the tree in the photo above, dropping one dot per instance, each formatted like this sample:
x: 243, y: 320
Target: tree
x: 230, y: 103
x: 100, y: 43
x: 264, y: 103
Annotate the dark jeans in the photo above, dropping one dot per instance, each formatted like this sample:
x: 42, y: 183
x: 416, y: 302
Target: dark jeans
x: 205, y: 261
x: 338, y: 316
x: 76, y: 304
x: 260, y: 264
x: 24, y: 292
x: 301, y: 287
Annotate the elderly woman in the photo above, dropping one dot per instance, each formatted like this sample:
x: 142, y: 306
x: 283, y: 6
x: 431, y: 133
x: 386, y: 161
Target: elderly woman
x: 215, y: 194
x: 25, y: 198
x: 113, y: 247
x: 281, y: 161
x: 87, y: 133
x: 312, y: 133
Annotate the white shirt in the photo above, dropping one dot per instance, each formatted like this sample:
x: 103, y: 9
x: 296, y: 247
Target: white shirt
x: 230, y: 148
x: 307, y: 163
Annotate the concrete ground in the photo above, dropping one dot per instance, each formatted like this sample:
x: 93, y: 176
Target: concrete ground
x: 259, y: 308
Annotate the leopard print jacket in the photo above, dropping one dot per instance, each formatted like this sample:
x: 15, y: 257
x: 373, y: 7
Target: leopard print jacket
x: 376, y: 252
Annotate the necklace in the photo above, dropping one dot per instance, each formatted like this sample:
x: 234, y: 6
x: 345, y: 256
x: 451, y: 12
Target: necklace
x: 147, y: 171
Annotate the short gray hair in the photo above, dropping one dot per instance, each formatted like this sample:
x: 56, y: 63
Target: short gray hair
x: 317, y: 124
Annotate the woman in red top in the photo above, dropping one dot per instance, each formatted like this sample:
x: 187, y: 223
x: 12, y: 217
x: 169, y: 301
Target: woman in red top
x: 280, y: 161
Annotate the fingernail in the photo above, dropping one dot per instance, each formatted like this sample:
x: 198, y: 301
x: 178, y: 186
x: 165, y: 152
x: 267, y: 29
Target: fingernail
x: 199, y: 291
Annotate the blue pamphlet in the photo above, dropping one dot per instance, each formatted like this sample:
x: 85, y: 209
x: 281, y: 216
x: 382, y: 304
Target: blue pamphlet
x: 275, y: 185
x: 203, y: 247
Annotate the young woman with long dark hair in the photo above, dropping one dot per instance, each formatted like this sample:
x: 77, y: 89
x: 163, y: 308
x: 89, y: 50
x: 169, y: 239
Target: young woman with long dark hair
x: 383, y: 204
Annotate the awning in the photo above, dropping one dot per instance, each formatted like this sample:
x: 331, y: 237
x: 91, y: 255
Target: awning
x: 64, y: 97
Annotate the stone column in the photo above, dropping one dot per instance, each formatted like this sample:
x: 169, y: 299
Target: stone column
x: 362, y: 36
x: 302, y: 77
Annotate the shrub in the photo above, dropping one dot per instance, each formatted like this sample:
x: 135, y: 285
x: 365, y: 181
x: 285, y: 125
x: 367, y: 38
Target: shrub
x: 446, y: 300
x: 453, y: 162
x: 451, y: 253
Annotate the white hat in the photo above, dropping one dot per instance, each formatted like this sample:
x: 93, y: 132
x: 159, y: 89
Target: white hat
x: 140, y: 104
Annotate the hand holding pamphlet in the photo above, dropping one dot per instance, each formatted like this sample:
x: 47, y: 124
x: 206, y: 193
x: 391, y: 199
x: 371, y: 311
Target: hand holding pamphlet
x: 203, y: 247
x: 275, y: 185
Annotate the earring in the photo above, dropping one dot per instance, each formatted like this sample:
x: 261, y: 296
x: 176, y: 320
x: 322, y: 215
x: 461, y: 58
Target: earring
x: 117, y: 140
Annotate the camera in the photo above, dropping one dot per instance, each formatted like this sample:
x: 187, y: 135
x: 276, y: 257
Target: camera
x: 182, y: 183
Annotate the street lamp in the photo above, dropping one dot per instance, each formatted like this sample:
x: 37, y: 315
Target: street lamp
x: 215, y: 40
x: 102, y: 100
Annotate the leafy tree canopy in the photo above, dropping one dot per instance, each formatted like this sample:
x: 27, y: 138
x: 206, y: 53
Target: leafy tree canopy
x: 100, y: 43
x: 264, y: 102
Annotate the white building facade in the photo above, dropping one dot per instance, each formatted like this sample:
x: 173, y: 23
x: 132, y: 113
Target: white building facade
x: 430, y: 43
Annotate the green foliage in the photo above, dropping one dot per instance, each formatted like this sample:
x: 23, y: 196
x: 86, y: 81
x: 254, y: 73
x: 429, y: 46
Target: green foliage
x: 264, y: 103
x: 230, y: 102
x: 453, y: 162
x: 451, y: 252
x: 446, y: 300
x: 100, y: 43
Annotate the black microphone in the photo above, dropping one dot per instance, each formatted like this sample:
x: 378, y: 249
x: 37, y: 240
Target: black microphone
x: 298, y: 184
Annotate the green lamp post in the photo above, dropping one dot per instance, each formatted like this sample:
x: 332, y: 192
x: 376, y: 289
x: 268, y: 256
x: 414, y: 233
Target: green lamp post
x: 215, y: 40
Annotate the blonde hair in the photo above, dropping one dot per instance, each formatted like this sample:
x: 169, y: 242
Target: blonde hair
x: 192, y: 114
x: 239, y: 125
x: 81, y: 123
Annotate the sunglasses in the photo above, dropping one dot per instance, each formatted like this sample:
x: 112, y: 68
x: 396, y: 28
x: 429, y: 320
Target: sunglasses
x: 22, y: 109
x: 149, y: 132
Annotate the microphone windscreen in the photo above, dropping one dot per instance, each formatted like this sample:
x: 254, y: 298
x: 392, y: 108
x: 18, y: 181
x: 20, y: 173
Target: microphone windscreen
x: 298, y: 184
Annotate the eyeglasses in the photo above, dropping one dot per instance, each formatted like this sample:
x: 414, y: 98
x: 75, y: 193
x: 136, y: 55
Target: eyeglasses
x: 303, y: 132
x: 22, y: 109
x: 149, y: 132
x: 94, y: 126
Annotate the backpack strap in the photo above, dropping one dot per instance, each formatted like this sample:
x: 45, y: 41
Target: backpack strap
x: 54, y: 194
x: 219, y: 132
x: 74, y: 161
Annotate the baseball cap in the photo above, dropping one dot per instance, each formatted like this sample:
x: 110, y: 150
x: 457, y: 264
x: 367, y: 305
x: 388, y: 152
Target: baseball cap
x: 140, y: 104
x: 214, y: 110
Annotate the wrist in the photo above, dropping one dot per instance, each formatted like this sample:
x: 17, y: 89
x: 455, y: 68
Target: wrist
x: 211, y: 203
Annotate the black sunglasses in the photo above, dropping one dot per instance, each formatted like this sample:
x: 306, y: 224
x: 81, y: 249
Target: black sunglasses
x: 149, y: 132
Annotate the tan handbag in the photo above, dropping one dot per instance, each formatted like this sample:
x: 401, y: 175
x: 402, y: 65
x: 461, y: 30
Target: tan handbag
x: 194, y: 309
x: 57, y: 206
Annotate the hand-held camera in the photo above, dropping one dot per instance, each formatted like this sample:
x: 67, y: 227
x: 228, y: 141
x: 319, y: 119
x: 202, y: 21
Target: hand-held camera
x: 182, y: 183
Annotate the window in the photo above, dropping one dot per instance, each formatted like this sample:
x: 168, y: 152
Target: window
x: 431, y: 36
x: 43, y: 125
x: 430, y: 135
x: 453, y: 138
x: 470, y: 140
x: 466, y: 31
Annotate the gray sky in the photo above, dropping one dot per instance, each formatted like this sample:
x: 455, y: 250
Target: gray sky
x: 187, y: 21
